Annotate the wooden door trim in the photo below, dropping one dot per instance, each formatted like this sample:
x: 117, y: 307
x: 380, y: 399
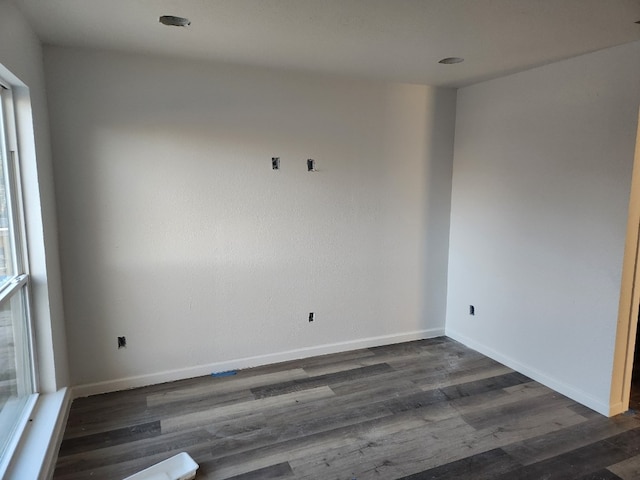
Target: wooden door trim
x: 629, y: 298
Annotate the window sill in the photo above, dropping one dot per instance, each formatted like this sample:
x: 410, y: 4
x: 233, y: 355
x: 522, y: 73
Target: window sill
x: 36, y: 453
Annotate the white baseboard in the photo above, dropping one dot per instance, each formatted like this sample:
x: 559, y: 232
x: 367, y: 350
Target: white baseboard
x: 248, y: 362
x: 37, y: 452
x: 553, y: 383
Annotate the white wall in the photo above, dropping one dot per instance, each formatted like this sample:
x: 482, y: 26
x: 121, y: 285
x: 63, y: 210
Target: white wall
x: 541, y: 181
x: 21, y: 64
x: 176, y: 233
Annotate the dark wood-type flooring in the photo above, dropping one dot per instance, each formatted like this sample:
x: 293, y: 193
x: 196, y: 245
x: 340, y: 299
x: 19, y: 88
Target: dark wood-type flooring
x: 430, y: 409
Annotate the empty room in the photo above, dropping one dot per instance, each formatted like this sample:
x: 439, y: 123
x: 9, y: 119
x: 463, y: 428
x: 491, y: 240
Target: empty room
x: 319, y: 239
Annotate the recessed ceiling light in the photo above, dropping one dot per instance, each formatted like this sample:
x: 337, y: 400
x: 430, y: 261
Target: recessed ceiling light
x: 451, y: 60
x: 174, y: 21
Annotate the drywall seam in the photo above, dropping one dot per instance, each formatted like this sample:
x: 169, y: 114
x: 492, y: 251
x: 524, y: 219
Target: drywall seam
x: 248, y: 362
x: 560, y: 387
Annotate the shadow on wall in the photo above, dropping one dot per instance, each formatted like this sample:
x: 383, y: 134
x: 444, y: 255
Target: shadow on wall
x: 177, y: 233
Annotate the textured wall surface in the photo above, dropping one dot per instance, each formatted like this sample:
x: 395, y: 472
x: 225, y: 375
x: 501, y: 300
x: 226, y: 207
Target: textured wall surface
x: 542, y: 174
x: 176, y: 232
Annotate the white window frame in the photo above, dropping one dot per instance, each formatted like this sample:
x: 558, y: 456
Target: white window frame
x: 17, y: 413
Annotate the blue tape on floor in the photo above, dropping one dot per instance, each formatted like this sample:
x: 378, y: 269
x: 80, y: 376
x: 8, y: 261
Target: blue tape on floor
x: 228, y: 373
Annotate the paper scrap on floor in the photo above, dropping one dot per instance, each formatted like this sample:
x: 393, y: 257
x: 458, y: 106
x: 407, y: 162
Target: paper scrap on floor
x: 178, y: 467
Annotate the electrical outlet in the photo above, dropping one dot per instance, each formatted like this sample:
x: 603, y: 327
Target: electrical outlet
x: 122, y: 342
x: 472, y: 310
x: 311, y: 316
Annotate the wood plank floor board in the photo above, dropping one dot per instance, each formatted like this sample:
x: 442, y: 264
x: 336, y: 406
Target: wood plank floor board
x: 476, y: 442
x: 417, y: 448
x: 552, y: 444
x: 383, y: 380
x: 388, y: 356
x: 248, y: 443
x: 198, y: 404
x: 159, y: 413
x: 189, y: 420
x: 126, y: 399
x: 496, y: 398
x: 520, y: 426
x: 587, y: 412
x: 495, y: 416
x: 328, y: 407
x: 430, y: 375
x: 320, y: 380
x: 305, y: 449
x: 482, y: 466
x: 112, y: 437
x: 628, y: 469
x: 309, y: 422
x: 212, y: 387
x: 415, y: 347
x: 317, y: 417
x: 378, y: 394
x: 425, y: 409
x: 415, y: 400
x: 464, y: 375
x: 628, y: 441
x: 603, y: 474
x: 582, y: 461
x: 377, y: 448
x: 118, y: 417
x: 439, y: 411
x: 127, y: 468
x: 432, y: 444
x: 386, y: 386
x: 280, y: 470
x: 113, y: 414
x: 435, y: 362
x: 197, y: 439
x: 483, y: 385
x: 339, y: 438
x: 337, y: 367
x: 434, y: 365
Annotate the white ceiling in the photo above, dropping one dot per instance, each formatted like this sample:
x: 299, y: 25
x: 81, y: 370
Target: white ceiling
x: 399, y: 40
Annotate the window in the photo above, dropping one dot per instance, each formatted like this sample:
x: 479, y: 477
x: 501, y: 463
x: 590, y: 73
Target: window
x: 17, y: 377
